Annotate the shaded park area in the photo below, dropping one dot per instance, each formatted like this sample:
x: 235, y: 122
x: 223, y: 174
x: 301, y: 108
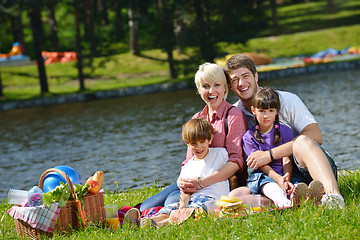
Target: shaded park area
x: 113, y: 55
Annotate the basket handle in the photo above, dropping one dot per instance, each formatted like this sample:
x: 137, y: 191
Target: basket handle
x: 67, y: 179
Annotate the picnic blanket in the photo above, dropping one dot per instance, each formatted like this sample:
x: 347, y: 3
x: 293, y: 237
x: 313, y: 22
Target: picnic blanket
x: 37, y: 217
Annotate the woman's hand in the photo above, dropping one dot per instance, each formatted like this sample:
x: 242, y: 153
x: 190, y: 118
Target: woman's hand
x: 187, y: 185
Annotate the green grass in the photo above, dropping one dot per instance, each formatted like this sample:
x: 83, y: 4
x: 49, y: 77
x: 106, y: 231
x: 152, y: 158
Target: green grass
x: 305, y: 222
x: 303, y: 43
x: 314, y: 15
x: 102, y: 73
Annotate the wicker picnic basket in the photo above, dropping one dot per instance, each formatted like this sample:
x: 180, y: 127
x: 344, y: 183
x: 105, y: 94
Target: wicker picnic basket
x: 68, y: 218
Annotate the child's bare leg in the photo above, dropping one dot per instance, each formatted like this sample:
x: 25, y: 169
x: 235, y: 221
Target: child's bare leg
x: 184, y: 200
x: 244, y: 194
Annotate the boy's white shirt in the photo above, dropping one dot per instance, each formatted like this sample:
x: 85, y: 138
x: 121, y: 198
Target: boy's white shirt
x: 213, y: 161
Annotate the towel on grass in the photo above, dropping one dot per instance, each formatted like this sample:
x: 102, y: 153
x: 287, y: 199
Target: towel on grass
x: 37, y: 217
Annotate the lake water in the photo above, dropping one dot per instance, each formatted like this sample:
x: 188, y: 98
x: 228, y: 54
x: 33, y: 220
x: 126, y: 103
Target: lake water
x: 136, y: 141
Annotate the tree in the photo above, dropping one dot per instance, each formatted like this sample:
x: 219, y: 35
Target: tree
x: 274, y: 13
x: 78, y: 45
x: 103, y: 12
x: 134, y: 28
x: 89, y: 25
x: 1, y: 87
x: 37, y: 32
x: 179, y: 26
x: 330, y: 5
x: 12, y: 10
x: 165, y: 12
x: 203, y: 29
x: 118, y: 20
x: 50, y: 9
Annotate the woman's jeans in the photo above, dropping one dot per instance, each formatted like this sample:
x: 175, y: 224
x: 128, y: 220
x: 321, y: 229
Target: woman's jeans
x: 169, y: 195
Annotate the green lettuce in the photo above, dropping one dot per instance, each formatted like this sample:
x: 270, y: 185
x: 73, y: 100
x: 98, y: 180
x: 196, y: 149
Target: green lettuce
x: 61, y: 194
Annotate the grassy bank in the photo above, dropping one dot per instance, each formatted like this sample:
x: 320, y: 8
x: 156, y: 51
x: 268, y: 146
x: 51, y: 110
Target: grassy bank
x: 305, y: 222
x: 126, y: 70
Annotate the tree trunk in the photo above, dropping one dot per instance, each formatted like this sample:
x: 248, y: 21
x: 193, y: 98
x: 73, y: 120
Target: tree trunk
x: 179, y: 30
x: 206, y: 46
x: 36, y: 26
x: 118, y: 21
x: 274, y: 13
x: 89, y: 26
x: 134, y: 28
x: 17, y: 27
x: 78, y: 47
x: 103, y: 12
x: 330, y: 5
x: 164, y: 12
x: 50, y: 8
x: 1, y: 87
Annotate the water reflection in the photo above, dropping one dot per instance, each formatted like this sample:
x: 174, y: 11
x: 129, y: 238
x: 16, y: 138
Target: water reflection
x: 137, y: 140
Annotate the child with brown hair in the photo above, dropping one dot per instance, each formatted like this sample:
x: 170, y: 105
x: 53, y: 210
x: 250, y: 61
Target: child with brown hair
x: 197, y: 134
x: 273, y: 180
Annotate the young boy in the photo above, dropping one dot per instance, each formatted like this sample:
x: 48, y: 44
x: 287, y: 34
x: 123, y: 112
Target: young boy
x: 197, y: 134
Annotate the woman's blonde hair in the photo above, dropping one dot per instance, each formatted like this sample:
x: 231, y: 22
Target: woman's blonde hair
x: 211, y: 72
x: 197, y: 129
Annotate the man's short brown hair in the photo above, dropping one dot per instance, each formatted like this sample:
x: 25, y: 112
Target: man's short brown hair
x: 239, y: 61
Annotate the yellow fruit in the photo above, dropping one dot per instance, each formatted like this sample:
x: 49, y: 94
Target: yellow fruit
x: 229, y: 199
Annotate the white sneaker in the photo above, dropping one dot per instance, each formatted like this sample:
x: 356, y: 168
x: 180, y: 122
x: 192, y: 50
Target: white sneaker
x: 333, y: 201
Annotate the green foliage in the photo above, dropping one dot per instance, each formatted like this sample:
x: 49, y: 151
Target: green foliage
x: 60, y: 194
x: 81, y: 191
x: 116, y: 67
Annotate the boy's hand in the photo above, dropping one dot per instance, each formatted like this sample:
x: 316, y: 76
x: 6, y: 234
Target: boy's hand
x: 187, y: 185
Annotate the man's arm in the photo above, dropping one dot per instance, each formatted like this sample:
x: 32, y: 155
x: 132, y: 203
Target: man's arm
x: 261, y: 158
x: 312, y: 131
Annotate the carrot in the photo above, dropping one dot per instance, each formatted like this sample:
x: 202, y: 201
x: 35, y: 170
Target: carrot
x: 81, y: 212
